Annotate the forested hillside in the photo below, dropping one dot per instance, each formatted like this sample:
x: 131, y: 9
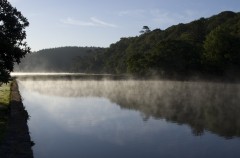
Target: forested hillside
x: 62, y: 59
x: 204, y: 46
x: 210, y: 45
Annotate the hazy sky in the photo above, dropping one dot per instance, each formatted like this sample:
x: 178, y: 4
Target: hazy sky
x: 55, y: 23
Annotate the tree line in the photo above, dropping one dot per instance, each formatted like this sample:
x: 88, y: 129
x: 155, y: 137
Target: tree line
x: 207, y: 46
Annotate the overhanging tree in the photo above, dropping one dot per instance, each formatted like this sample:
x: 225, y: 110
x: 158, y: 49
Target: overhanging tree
x: 12, y: 36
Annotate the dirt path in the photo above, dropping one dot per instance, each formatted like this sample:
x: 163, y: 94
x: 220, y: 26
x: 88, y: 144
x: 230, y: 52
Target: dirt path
x: 17, y: 143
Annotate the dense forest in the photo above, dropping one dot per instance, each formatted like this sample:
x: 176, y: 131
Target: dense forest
x: 207, y: 46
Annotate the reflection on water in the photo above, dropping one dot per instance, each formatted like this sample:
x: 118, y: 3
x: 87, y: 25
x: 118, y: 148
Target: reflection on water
x: 133, y: 118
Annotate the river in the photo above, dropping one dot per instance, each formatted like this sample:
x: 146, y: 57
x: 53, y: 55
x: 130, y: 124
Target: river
x: 132, y: 118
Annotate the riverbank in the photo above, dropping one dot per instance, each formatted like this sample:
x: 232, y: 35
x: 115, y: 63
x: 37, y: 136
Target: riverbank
x: 17, y: 142
x: 5, y: 91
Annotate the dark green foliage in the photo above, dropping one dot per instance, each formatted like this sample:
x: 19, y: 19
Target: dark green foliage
x: 224, y: 18
x: 181, y: 50
x: 174, y: 57
x: 115, y: 56
x: 222, y: 50
x: 12, y: 35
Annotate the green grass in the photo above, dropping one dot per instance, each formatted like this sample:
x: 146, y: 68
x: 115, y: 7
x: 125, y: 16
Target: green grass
x: 5, y: 94
x: 4, y: 102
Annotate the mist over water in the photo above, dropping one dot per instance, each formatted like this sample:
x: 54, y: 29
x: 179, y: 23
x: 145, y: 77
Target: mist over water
x: 152, y: 118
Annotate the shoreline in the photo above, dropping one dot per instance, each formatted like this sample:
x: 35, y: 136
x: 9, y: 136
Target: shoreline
x: 17, y: 142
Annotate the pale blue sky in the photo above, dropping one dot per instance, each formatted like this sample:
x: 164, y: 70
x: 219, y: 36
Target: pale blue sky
x: 55, y: 23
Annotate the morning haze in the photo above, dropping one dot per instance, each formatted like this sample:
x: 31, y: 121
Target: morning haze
x: 122, y: 78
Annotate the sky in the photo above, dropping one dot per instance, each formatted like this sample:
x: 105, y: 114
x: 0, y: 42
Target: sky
x: 57, y: 23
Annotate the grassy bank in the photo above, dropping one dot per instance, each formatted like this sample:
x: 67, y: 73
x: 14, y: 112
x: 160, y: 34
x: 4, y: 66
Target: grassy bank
x: 4, y: 102
x: 5, y: 94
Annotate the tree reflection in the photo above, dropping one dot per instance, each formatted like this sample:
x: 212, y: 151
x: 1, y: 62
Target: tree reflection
x: 201, y: 105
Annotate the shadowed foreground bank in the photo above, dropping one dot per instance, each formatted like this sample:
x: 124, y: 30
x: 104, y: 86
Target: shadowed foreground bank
x: 17, y: 142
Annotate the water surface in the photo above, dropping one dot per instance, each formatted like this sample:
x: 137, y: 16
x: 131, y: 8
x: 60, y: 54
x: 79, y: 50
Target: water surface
x: 104, y: 118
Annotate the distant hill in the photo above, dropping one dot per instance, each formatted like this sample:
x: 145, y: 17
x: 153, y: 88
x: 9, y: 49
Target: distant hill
x: 207, y: 46
x: 54, y: 59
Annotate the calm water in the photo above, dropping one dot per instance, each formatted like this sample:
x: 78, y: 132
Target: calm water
x: 148, y: 119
